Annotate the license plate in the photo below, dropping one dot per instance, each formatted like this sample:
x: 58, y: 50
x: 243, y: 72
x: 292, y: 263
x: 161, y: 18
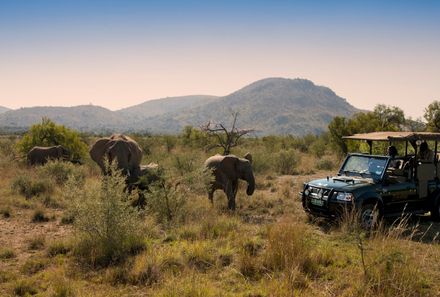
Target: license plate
x: 317, y: 202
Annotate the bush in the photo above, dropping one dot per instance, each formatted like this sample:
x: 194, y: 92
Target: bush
x: 7, y: 253
x: 26, y: 186
x: 34, y: 265
x: 6, y: 211
x: 325, y: 164
x: 47, y: 133
x: 58, y: 248
x: 37, y: 242
x: 200, y: 255
x: 166, y: 201
x: 107, y: 228
x: 184, y: 164
x: 24, y: 287
x: 60, y: 172
x: 286, y: 161
x: 39, y: 216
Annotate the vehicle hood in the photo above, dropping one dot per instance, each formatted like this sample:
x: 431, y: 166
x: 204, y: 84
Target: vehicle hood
x: 341, y: 183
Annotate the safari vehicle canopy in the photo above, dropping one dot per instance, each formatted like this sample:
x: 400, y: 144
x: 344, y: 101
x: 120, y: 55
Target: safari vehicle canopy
x: 409, y: 137
x: 381, y: 185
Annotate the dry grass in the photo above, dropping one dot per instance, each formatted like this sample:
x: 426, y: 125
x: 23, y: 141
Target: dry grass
x: 265, y: 248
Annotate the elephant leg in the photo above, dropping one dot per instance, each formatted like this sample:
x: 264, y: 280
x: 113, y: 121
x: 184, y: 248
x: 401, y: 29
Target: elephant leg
x: 211, y: 196
x: 230, y: 193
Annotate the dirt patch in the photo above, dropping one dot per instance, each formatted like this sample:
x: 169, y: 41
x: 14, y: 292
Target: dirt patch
x: 16, y: 231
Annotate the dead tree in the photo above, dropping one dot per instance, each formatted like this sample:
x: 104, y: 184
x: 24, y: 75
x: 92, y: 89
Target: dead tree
x: 226, y: 139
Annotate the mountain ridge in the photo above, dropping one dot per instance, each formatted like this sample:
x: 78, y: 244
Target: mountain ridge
x: 3, y: 109
x: 269, y: 106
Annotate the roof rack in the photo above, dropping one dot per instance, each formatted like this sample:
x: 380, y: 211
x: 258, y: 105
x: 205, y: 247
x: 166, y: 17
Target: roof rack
x: 396, y: 136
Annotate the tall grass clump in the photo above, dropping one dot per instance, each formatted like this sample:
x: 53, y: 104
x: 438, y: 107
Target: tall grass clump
x: 291, y: 246
x: 29, y: 187
x: 286, y: 161
x: 389, y: 264
x: 60, y: 172
x: 107, y: 228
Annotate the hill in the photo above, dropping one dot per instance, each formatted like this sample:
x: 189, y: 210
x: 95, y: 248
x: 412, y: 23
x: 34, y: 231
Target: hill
x: 157, y: 107
x: 270, y: 106
x: 3, y: 109
x: 83, y: 117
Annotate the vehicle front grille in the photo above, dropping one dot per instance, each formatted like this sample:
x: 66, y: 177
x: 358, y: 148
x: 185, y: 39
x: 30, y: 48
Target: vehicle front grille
x: 319, y: 193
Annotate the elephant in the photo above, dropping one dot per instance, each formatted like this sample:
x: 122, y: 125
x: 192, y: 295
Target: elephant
x: 121, y: 148
x: 39, y: 155
x: 227, y: 170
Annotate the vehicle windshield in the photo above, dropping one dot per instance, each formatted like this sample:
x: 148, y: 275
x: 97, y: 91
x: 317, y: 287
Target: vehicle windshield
x: 365, y: 166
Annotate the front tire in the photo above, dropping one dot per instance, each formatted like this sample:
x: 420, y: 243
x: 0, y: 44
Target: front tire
x: 369, y: 216
x: 435, y: 211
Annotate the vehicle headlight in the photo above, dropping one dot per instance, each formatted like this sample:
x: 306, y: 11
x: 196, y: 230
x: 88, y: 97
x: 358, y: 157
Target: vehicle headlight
x: 344, y: 196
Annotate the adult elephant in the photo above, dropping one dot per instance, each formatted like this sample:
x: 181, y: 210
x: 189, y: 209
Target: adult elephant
x: 39, y: 155
x: 227, y: 170
x: 120, y: 148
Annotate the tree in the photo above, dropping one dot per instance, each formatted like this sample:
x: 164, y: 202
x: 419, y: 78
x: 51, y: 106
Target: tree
x: 227, y: 139
x: 432, y: 116
x: 390, y: 117
x: 47, y: 133
x: 338, y: 127
x: 382, y: 118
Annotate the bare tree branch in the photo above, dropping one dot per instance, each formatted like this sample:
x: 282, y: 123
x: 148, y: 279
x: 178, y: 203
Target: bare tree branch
x: 226, y: 139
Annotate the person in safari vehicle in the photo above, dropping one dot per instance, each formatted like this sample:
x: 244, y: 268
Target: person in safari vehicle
x: 379, y: 186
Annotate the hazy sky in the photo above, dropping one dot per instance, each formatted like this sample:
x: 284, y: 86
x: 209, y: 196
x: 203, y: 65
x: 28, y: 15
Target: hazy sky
x: 121, y: 53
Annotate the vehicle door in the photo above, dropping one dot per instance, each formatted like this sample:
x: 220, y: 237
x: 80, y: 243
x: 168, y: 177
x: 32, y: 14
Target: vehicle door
x: 399, y: 190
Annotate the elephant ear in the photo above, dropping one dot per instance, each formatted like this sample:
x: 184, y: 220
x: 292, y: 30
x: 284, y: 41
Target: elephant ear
x: 230, y: 166
x: 248, y: 157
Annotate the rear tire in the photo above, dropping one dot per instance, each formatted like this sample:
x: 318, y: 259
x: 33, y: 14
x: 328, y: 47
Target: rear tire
x: 369, y: 216
x: 435, y: 211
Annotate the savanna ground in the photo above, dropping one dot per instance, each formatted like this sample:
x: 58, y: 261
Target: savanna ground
x: 64, y: 231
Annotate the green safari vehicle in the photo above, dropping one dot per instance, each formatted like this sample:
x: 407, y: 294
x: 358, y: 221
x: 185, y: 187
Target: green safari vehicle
x: 380, y: 185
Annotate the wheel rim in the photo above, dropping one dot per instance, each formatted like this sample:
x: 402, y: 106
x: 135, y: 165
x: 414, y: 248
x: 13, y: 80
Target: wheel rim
x: 369, y: 218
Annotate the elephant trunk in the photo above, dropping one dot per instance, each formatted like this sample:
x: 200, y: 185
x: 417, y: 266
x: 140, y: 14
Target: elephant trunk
x: 251, y: 184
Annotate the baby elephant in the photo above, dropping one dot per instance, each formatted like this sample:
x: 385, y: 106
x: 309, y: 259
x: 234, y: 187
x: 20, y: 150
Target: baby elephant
x: 39, y: 155
x: 227, y: 170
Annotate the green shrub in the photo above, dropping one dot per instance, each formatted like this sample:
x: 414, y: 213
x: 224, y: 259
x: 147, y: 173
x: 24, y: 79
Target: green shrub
x: 147, y: 270
x: 184, y: 164
x: 37, y: 242
x: 58, y: 248
x: 25, y: 287
x: 166, y: 201
x: 107, y: 228
x: 47, y: 133
x: 28, y: 187
x: 200, y: 255
x: 6, y: 276
x: 39, y: 216
x: 7, y: 253
x: 60, y: 172
x: 216, y: 227
x: 34, y: 265
x: 325, y: 164
x: 7, y: 147
x: 6, y: 211
x: 286, y: 161
x: 62, y: 287
x: 68, y: 218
